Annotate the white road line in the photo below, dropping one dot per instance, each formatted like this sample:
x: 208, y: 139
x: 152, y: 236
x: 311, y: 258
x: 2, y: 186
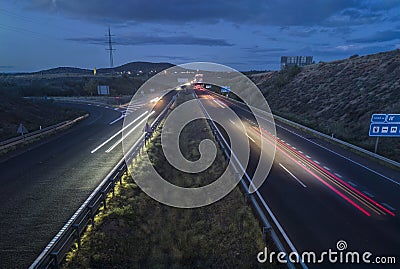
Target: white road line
x: 290, y: 173
x: 338, y: 175
x: 308, y: 156
x: 327, y: 168
x: 388, y: 206
x: 274, y: 219
x: 117, y: 133
x: 317, y: 162
x: 218, y: 104
x: 250, y: 138
x: 352, y: 183
x: 294, y: 148
x: 327, y: 149
x: 130, y: 131
x: 369, y: 194
x: 300, y: 151
x: 120, y: 117
x: 232, y: 122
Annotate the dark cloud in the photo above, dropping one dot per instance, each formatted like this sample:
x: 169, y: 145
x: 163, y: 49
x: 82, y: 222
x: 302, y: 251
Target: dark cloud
x: 270, y: 12
x: 154, y: 40
x: 258, y: 49
x: 381, y: 36
x: 170, y: 58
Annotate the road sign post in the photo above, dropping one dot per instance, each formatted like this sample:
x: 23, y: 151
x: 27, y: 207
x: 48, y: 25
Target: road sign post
x: 376, y: 144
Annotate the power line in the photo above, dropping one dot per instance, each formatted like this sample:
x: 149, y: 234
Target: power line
x: 110, y: 48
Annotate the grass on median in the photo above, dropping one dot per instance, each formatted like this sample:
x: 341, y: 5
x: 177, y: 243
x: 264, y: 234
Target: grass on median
x: 138, y: 232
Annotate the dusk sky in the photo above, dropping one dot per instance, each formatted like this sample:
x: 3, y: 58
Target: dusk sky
x: 244, y: 35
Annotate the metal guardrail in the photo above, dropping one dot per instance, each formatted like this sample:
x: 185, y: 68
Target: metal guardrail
x: 55, y: 251
x: 29, y: 136
x: 333, y: 139
x: 367, y: 152
x: 267, y: 227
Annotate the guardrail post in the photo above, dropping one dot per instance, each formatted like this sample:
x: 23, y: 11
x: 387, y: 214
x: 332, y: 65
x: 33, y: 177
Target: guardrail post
x: 91, y: 214
x: 54, y: 255
x: 264, y: 232
x: 113, y: 188
x: 77, y: 234
x: 104, y: 197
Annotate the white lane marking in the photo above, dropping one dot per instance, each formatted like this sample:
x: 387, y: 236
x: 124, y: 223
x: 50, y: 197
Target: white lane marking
x: 388, y: 206
x: 290, y: 173
x: 117, y: 133
x: 338, y: 175
x: 250, y: 138
x: 300, y: 151
x: 232, y: 122
x: 117, y: 119
x: 352, y: 183
x: 89, y: 104
x: 130, y: 131
x: 294, y: 148
x: 288, y: 144
x: 327, y: 149
x: 369, y: 194
x: 308, y: 156
x: 106, y: 107
x: 274, y: 219
x: 218, y: 104
x: 327, y: 168
x: 317, y: 162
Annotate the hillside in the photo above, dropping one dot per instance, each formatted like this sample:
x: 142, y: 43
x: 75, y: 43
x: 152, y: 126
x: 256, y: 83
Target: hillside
x: 31, y: 114
x: 145, y: 67
x: 339, y: 97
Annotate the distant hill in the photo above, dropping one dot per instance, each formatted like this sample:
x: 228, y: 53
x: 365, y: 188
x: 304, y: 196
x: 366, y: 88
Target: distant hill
x: 65, y: 70
x: 145, y: 67
x: 339, y: 97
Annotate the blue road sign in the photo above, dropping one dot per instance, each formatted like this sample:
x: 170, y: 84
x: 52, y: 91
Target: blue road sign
x: 225, y: 89
x: 378, y: 118
x: 384, y: 129
x: 385, y: 125
x: 393, y: 118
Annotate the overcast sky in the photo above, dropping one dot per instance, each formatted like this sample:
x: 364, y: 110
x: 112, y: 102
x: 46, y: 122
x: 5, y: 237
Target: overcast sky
x: 244, y: 35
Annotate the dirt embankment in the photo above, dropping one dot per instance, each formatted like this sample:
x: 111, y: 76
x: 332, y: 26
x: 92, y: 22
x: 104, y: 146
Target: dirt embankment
x: 339, y: 97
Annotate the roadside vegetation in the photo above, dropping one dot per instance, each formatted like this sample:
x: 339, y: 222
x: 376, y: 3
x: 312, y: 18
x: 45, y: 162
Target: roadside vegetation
x: 31, y: 113
x: 136, y: 231
x: 338, y: 98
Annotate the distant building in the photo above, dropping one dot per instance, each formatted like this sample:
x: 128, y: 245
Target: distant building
x: 287, y: 61
x: 103, y: 90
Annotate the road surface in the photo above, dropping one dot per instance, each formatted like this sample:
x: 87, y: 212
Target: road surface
x: 42, y: 186
x: 321, y: 193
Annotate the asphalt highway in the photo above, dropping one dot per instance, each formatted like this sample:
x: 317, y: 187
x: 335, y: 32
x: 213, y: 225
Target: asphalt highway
x: 44, y: 184
x: 321, y: 193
